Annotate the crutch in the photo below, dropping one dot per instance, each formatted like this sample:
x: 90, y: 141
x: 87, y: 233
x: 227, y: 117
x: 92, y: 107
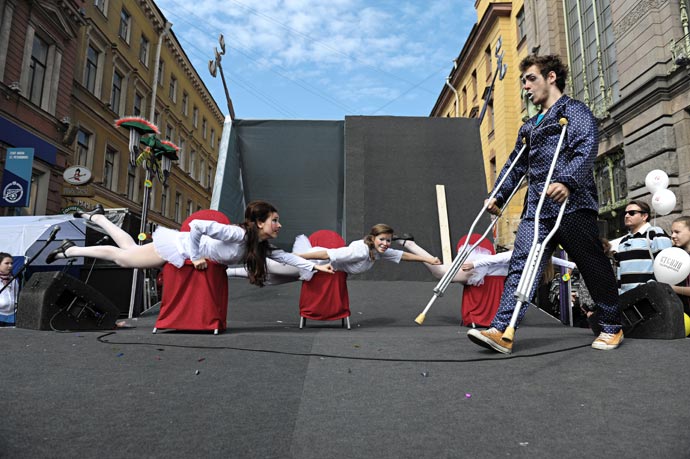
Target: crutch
x: 464, y: 251
x: 522, y: 293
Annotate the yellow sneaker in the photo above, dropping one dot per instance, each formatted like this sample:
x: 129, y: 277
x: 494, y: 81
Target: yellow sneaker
x: 490, y: 339
x: 608, y: 341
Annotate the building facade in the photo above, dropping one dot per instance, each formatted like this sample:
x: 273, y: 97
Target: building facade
x: 69, y: 70
x: 476, y: 87
x: 39, y: 42
x: 131, y: 64
x: 629, y: 62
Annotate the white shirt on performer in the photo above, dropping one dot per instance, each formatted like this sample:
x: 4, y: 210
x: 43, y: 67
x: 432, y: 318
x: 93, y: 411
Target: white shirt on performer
x: 226, y: 244
x: 497, y: 265
x: 354, y: 259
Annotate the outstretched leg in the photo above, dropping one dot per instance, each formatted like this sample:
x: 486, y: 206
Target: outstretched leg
x: 117, y: 234
x: 136, y: 256
x: 438, y: 271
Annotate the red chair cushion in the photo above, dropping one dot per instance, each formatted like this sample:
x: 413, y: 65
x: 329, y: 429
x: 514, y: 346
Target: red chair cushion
x: 191, y: 299
x: 325, y: 296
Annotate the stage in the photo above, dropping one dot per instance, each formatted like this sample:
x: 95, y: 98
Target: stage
x: 387, y: 388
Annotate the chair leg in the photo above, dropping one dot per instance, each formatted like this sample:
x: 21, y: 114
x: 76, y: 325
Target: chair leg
x: 302, y: 322
x: 215, y: 332
x: 154, y: 330
x: 347, y: 319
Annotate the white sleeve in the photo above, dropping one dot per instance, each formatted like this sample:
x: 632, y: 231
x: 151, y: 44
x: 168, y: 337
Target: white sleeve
x: 561, y: 262
x: 393, y: 255
x: 305, y: 266
x: 343, y: 255
x: 502, y: 258
x: 214, y: 230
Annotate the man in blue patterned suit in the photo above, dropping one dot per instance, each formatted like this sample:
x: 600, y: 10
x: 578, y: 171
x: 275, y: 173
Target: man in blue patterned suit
x: 543, y: 78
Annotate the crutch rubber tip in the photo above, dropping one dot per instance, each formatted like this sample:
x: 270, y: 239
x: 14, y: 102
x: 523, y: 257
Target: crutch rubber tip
x: 508, y: 335
x: 563, y: 121
x: 420, y: 318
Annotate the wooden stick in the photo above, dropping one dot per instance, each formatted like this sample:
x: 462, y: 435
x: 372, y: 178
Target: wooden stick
x: 443, y: 224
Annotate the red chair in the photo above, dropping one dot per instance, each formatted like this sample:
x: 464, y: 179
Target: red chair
x: 480, y: 302
x: 325, y: 296
x: 192, y: 299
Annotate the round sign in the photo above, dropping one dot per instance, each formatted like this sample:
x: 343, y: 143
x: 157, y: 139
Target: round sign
x: 77, y: 175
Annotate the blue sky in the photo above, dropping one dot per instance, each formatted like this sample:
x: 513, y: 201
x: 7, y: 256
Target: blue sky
x: 324, y: 59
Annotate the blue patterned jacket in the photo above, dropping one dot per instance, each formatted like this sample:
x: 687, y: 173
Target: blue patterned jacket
x: 574, y: 167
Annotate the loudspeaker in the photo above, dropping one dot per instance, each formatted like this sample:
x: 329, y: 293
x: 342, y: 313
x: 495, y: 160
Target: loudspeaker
x: 57, y: 301
x: 653, y: 311
x: 116, y: 284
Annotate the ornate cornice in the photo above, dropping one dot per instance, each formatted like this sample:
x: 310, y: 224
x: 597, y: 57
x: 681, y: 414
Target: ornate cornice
x: 634, y: 15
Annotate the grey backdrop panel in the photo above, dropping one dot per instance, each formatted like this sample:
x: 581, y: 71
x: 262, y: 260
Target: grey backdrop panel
x: 298, y: 167
x: 392, y: 167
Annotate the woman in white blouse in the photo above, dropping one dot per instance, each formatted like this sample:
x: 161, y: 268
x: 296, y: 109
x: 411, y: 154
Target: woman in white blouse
x: 246, y: 244
x: 478, y: 264
x: 10, y: 290
x: 355, y: 258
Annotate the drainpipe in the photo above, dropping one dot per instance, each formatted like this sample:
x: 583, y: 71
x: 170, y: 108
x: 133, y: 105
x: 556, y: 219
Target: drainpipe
x: 455, y: 91
x: 156, y: 67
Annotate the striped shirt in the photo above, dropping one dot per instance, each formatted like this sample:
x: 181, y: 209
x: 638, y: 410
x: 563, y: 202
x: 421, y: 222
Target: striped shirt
x: 635, y: 256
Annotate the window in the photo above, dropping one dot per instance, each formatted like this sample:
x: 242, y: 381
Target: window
x: 213, y: 138
x: 520, y: 20
x: 109, y: 169
x: 131, y: 182
x: 596, y: 85
x: 116, y: 93
x: 164, y: 200
x: 612, y: 188
x: 102, y: 6
x: 169, y: 132
x: 138, y: 103
x: 209, y: 180
x: 144, y: 51
x: 487, y: 57
x: 185, y: 103
x: 161, y: 71
x: 204, y: 125
x: 192, y: 163
x: 464, y: 101
x: 83, y: 148
x: 37, y: 70
x: 190, y: 207
x: 125, y: 25
x: 173, y: 89
x: 91, y: 71
x: 195, y: 117
x: 202, y: 170
x: 474, y: 85
x: 178, y: 210
x: 182, y: 154
x: 156, y: 117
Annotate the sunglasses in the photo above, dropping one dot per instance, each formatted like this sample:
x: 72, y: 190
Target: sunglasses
x: 633, y: 212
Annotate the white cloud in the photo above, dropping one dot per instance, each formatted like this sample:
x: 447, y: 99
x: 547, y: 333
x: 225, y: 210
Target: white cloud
x: 332, y: 44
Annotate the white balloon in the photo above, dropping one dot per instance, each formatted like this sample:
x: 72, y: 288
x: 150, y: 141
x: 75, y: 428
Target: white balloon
x: 672, y: 265
x: 664, y: 201
x: 656, y: 180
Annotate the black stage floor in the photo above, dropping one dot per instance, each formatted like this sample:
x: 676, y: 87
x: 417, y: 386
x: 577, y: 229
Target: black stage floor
x: 388, y: 388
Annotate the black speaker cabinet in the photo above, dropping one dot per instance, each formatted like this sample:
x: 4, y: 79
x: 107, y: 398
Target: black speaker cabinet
x: 115, y: 283
x: 57, y: 301
x: 129, y: 222
x: 653, y: 311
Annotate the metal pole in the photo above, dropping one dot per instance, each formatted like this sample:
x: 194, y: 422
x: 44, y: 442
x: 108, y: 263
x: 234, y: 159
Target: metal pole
x: 147, y: 180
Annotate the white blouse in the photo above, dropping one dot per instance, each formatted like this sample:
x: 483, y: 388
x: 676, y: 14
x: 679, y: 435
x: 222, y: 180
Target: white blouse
x: 354, y: 259
x: 226, y: 244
